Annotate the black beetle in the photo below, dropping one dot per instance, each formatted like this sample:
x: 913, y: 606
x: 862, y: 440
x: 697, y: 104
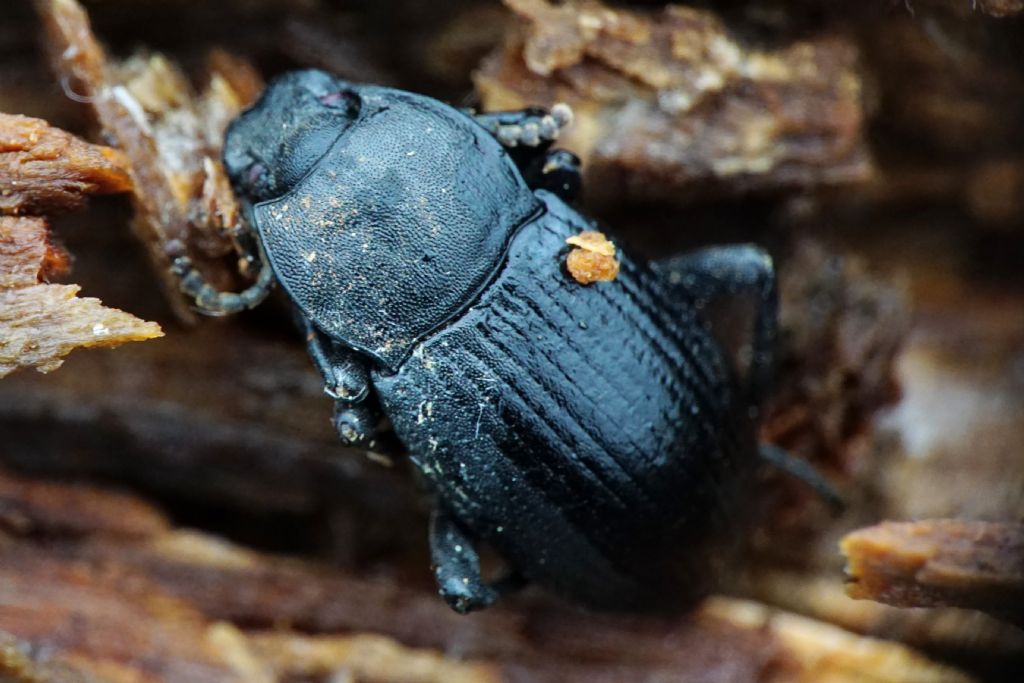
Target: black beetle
x: 600, y: 438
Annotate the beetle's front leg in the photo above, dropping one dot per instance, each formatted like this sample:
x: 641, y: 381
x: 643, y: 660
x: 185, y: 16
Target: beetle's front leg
x: 208, y: 299
x: 347, y: 381
x: 345, y: 376
x: 717, y: 281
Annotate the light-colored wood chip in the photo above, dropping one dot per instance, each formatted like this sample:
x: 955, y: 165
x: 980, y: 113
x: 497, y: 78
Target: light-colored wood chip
x: 41, y: 323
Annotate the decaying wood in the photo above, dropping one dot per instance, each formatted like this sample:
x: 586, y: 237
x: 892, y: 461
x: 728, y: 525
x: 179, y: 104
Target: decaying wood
x: 994, y: 8
x: 171, y: 136
x: 1001, y: 8
x: 669, y: 103
x: 44, y: 169
x: 938, y: 563
x: 828, y: 653
x: 844, y: 327
x: 41, y: 323
x: 169, y: 605
x: 950, y: 446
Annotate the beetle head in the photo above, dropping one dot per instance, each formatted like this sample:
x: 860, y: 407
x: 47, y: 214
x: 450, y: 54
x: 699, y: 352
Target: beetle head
x: 275, y: 143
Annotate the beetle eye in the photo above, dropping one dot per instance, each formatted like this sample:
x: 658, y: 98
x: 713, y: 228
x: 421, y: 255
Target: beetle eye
x: 255, y: 174
x: 341, y: 99
x: 257, y: 181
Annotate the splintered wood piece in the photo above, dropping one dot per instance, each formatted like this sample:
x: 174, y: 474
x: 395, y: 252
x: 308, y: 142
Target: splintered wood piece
x: 44, y: 169
x: 939, y: 562
x: 171, y: 136
x: 669, y: 102
x: 42, y: 323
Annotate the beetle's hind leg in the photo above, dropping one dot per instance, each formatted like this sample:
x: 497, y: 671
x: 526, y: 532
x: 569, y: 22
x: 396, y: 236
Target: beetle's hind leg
x: 457, y: 567
x: 723, y: 284
x: 805, y: 472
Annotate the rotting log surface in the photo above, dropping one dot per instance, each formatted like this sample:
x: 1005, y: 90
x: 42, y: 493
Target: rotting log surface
x: 119, y: 600
x: 669, y: 104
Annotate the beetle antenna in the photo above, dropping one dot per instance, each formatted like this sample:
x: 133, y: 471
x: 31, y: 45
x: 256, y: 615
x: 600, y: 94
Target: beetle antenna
x: 805, y: 472
x: 208, y: 299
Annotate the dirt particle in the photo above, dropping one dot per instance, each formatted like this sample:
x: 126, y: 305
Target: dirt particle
x: 592, y: 259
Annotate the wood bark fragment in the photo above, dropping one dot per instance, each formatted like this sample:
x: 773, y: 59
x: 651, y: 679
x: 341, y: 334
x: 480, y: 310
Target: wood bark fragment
x: 44, y: 170
x: 669, y: 103
x: 942, y: 562
x: 41, y: 323
x: 171, y: 136
x: 365, y: 657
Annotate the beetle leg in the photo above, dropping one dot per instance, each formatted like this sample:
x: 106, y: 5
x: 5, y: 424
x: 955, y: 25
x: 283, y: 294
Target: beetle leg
x: 711, y: 279
x: 346, y: 378
x: 799, y: 468
x: 347, y: 381
x: 208, y: 299
x: 529, y: 128
x: 357, y: 425
x: 457, y: 566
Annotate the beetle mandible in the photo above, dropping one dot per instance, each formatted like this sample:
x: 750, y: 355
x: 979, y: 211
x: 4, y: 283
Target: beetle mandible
x: 601, y: 438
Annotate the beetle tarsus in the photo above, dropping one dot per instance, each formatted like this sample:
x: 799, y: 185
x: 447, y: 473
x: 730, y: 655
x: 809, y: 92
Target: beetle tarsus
x: 527, y: 136
x: 356, y: 425
x: 457, y: 567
